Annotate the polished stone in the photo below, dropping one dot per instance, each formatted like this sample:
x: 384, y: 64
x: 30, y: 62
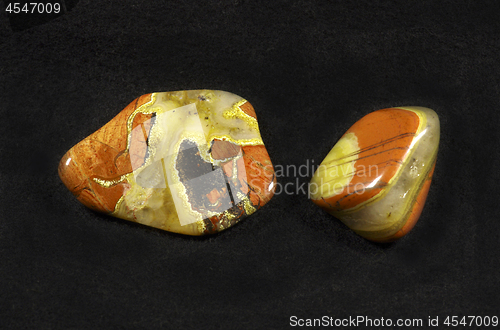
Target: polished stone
x: 190, y: 162
x: 376, y: 178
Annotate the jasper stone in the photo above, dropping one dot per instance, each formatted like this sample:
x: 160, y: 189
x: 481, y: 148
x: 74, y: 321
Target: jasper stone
x: 376, y: 178
x: 189, y: 162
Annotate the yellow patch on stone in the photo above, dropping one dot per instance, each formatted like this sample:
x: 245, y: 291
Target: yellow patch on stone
x: 337, y: 169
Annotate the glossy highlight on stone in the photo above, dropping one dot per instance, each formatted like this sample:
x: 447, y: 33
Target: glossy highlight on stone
x: 376, y: 178
x: 189, y: 162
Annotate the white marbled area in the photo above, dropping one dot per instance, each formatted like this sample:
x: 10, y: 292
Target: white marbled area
x: 214, y: 104
x: 390, y: 211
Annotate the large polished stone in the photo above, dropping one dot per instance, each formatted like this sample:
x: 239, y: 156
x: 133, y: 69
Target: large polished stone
x: 376, y: 178
x: 190, y: 162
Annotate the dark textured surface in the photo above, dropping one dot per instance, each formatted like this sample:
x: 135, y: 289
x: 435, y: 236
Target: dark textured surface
x: 310, y: 69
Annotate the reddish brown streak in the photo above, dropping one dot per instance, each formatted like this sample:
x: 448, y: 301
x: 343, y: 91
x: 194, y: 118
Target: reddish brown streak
x: 374, y: 146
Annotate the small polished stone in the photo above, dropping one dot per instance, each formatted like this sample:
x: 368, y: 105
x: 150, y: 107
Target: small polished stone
x: 189, y: 162
x: 376, y: 178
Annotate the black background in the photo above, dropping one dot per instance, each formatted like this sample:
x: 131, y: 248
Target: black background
x: 311, y: 69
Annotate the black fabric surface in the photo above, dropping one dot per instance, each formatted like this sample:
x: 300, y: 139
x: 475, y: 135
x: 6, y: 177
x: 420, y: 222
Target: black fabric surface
x: 311, y: 69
